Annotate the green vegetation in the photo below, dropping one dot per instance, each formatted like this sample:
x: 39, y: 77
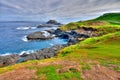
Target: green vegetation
x: 73, y: 60
x: 110, y: 17
x: 50, y: 73
x: 108, y: 22
x: 104, y: 49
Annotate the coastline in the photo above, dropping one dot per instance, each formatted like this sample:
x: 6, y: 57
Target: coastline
x: 72, y: 37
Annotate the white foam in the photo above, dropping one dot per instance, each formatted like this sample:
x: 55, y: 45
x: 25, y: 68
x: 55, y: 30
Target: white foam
x: 51, y: 44
x: 25, y: 28
x: 46, y: 34
x: 25, y: 39
x: 26, y: 52
x: 21, y: 53
x: 5, y: 54
x: 33, y: 27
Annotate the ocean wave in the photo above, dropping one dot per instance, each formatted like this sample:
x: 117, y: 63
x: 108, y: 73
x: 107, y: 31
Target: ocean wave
x: 25, y: 28
x: 27, y: 52
x: 25, y: 39
x: 5, y: 54
x: 46, y: 34
x: 21, y: 53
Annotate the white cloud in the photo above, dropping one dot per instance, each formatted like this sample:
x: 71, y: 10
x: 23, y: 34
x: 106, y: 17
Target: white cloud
x: 58, y: 8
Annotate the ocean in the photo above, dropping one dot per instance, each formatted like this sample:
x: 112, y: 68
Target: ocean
x: 13, y: 38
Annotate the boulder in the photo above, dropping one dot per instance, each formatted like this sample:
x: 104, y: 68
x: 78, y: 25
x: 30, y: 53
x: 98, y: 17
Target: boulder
x: 44, y: 35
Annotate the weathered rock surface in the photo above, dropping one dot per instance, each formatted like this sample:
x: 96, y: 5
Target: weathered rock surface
x: 39, y: 36
x: 44, y: 53
x: 37, y: 55
x: 8, y: 60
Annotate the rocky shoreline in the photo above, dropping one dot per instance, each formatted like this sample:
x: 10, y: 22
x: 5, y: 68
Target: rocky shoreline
x: 72, y: 36
x: 37, y: 55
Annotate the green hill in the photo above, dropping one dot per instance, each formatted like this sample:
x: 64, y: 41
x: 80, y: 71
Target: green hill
x: 110, y: 17
x: 109, y: 20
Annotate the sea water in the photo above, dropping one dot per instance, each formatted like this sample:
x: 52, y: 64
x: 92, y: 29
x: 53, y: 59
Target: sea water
x: 13, y: 38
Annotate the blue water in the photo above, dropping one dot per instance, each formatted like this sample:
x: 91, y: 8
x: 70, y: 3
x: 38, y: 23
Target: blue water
x: 12, y: 38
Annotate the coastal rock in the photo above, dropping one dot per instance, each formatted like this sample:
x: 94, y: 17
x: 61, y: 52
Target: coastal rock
x: 89, y: 29
x: 50, y: 23
x: 51, y: 31
x: 43, y: 54
x: 8, y: 60
x: 58, y: 32
x: 64, y: 36
x: 72, y: 36
x: 46, y: 25
x: 44, y: 35
x: 53, y: 22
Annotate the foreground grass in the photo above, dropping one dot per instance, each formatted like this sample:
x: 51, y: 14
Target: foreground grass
x: 104, y: 49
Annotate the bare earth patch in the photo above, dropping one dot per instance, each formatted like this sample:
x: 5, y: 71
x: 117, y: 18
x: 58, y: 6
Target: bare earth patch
x: 20, y: 74
x: 97, y: 72
x: 100, y: 73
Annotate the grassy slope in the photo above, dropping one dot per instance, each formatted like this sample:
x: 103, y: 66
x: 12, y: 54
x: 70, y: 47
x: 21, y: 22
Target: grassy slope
x: 73, y: 60
x: 107, y: 22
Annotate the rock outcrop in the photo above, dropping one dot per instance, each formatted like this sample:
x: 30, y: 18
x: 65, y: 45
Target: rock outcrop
x: 37, y: 55
x: 44, y: 35
x: 8, y: 60
x: 43, y: 53
x: 53, y: 22
x: 50, y: 23
x: 47, y: 25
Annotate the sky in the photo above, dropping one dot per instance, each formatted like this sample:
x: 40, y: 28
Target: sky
x: 62, y: 10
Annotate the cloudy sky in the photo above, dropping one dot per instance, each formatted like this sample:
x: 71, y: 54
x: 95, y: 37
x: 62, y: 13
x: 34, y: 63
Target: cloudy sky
x: 70, y: 10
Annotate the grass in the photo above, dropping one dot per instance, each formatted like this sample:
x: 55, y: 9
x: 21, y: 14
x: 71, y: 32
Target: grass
x: 107, y: 23
x: 50, y: 73
x: 105, y: 48
x: 72, y: 60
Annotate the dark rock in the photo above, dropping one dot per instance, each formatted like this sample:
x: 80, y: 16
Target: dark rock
x: 51, y: 31
x: 44, y: 53
x: 58, y: 32
x: 46, y: 25
x: 64, y: 36
x: 73, y: 33
x: 89, y: 29
x: 53, y: 22
x: 83, y: 36
x: 39, y: 36
x: 8, y: 60
x: 72, y: 41
x: 24, y: 55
